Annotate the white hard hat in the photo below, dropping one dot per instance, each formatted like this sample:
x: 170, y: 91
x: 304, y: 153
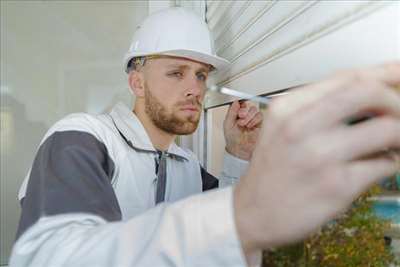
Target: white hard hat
x: 174, y: 32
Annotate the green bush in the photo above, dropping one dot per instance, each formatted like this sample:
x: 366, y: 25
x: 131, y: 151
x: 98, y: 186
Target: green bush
x: 354, y: 239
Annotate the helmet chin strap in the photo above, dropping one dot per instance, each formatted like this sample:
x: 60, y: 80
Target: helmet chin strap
x: 140, y: 61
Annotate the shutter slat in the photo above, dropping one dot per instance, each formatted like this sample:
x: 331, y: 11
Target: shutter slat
x: 314, y: 43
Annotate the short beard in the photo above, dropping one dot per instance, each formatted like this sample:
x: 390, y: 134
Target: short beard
x: 168, y: 122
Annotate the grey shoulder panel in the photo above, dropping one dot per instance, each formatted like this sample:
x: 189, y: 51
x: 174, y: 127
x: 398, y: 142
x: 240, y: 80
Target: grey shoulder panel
x: 72, y: 172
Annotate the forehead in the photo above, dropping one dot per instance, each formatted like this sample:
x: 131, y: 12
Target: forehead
x: 178, y: 62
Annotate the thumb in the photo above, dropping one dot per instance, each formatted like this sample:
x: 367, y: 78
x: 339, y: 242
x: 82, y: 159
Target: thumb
x: 232, y: 114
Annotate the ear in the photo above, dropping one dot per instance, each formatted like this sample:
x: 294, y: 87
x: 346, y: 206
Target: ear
x: 136, y: 83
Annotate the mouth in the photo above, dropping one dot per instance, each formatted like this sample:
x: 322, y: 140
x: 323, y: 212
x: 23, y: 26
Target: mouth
x: 190, y: 111
x: 190, y: 108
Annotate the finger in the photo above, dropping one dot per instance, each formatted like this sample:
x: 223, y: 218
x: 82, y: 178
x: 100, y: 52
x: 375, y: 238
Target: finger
x: 232, y: 114
x: 388, y: 73
x: 244, y: 109
x: 364, y: 173
x: 252, y: 111
x: 256, y: 121
x: 243, y: 103
x: 367, y: 138
x: 300, y: 99
x: 346, y: 104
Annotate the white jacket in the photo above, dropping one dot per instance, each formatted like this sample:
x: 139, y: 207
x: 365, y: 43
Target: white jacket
x: 88, y: 200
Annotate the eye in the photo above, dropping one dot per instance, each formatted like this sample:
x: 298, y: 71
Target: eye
x: 202, y: 77
x: 176, y: 74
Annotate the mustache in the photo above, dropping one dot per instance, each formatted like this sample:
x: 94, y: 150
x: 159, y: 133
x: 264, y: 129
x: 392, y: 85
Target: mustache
x: 194, y: 102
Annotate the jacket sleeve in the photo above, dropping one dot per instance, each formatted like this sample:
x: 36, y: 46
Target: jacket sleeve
x: 232, y: 169
x: 71, y: 173
x: 177, y: 234
x: 71, y: 217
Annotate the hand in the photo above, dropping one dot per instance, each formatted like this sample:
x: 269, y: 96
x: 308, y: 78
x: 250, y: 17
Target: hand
x: 308, y: 164
x: 241, y: 129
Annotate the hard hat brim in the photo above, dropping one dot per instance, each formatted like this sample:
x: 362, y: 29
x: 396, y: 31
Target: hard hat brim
x: 219, y: 63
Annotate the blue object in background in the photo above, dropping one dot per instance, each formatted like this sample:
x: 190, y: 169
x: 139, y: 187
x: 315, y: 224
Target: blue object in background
x: 398, y: 181
x: 388, y: 210
x: 390, y: 183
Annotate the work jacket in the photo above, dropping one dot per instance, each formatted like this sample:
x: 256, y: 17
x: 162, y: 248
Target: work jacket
x: 88, y: 200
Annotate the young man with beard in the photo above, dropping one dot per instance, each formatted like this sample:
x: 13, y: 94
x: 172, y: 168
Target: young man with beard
x: 117, y: 166
x: 92, y: 193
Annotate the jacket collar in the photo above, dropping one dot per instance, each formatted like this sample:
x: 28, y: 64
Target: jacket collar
x: 134, y: 133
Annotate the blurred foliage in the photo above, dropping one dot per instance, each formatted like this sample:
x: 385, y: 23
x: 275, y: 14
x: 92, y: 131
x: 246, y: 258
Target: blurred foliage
x: 354, y: 239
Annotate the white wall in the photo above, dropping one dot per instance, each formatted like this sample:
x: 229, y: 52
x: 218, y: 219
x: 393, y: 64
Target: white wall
x: 57, y: 57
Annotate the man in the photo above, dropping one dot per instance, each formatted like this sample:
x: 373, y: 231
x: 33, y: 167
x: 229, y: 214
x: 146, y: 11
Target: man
x: 120, y: 165
x: 308, y: 165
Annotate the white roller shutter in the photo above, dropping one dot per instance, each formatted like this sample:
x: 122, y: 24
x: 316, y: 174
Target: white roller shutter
x: 275, y: 45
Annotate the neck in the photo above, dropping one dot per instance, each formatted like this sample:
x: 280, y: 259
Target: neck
x: 160, y: 139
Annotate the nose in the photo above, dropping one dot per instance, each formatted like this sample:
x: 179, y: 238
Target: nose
x: 195, y: 88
